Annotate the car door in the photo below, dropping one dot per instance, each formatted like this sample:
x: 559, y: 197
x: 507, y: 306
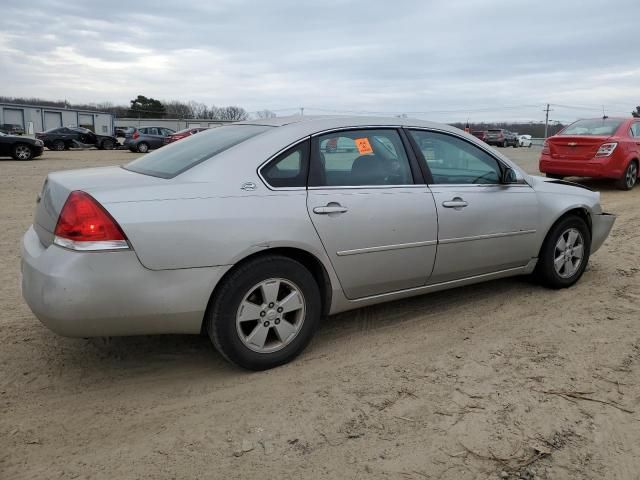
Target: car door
x: 374, y: 215
x: 155, y: 137
x: 484, y: 225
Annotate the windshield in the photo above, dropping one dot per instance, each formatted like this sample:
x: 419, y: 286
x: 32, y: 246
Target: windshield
x: 178, y: 157
x: 599, y: 127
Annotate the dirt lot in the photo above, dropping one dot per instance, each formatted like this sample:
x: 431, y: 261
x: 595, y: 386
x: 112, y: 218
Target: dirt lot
x: 465, y: 384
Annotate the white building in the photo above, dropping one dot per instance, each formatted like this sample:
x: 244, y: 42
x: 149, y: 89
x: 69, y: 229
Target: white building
x: 36, y: 118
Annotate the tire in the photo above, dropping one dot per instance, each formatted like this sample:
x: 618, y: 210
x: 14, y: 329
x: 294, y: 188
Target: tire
x: 504, y: 144
x: 22, y: 151
x: 552, y: 269
x: 107, y: 145
x: 230, y: 334
x: 629, y: 177
x: 58, y: 145
x: 142, y: 147
x: 554, y: 176
x: 515, y: 144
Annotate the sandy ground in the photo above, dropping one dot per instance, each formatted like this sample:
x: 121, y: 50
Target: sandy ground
x: 473, y: 383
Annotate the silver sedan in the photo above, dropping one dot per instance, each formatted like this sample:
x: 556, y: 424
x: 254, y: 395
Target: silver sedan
x: 255, y: 231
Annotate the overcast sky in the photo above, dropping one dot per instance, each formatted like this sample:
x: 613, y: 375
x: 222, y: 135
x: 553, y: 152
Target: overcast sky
x: 446, y: 60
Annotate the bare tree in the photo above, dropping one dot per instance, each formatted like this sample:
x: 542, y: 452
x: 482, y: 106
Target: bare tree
x: 232, y: 114
x: 176, y: 108
x: 264, y: 114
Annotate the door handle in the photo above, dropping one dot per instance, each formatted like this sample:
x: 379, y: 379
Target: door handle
x: 330, y: 208
x: 456, y: 202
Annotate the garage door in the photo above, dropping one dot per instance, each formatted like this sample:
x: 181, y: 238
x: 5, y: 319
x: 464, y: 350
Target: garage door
x: 14, y: 116
x: 52, y: 120
x: 86, y: 120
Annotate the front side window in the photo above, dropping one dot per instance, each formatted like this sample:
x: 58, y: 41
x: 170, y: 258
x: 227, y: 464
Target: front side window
x: 360, y: 158
x: 452, y: 160
x: 178, y: 157
x: 289, y: 169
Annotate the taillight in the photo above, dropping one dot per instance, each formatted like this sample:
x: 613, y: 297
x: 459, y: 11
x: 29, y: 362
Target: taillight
x: 84, y: 224
x: 136, y: 134
x: 545, y: 148
x: 606, y: 149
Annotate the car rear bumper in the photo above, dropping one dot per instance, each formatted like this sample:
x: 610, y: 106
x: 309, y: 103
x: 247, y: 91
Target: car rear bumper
x: 595, y: 168
x: 92, y: 294
x: 600, y: 229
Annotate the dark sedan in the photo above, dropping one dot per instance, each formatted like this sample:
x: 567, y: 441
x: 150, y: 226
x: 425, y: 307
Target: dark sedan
x: 20, y: 148
x: 64, y: 138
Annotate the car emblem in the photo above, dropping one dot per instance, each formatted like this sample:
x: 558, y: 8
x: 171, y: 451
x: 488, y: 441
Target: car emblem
x: 572, y: 144
x: 248, y: 186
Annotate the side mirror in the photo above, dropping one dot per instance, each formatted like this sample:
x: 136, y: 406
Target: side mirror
x: 509, y: 176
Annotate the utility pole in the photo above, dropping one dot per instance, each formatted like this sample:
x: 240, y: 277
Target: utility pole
x: 301, y: 111
x: 546, y: 120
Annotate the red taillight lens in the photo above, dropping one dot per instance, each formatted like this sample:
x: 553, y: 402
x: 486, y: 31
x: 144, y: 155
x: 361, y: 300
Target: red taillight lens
x: 136, y: 134
x: 545, y: 148
x: 606, y: 149
x: 85, y: 225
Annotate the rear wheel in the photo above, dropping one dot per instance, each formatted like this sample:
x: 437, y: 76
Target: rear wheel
x: 22, y: 151
x: 565, y: 253
x: 107, y: 145
x: 143, y: 147
x: 265, y: 313
x: 629, y: 177
x: 504, y: 144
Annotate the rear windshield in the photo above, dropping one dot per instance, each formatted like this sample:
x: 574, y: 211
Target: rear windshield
x: 599, y: 126
x: 178, y: 157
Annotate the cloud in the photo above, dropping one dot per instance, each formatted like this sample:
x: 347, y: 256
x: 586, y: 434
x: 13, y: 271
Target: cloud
x: 445, y: 61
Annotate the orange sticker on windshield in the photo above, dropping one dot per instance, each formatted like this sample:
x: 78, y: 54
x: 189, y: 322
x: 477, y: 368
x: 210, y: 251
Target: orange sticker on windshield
x: 363, y: 146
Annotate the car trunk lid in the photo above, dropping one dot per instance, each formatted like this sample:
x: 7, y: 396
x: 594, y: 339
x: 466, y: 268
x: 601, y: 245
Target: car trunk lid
x: 575, y: 147
x: 59, y: 185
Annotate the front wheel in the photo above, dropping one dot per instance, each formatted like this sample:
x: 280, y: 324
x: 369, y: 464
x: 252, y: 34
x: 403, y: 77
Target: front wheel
x: 629, y: 177
x: 22, y: 152
x: 565, y: 253
x: 58, y: 145
x: 265, y: 313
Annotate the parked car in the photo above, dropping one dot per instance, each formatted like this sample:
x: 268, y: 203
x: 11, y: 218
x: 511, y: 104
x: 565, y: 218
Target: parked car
x: 599, y: 148
x: 524, y: 141
x: 481, y: 134
x: 179, y: 135
x: 143, y: 139
x: 11, y: 129
x: 252, y: 234
x: 20, y: 148
x: 64, y: 138
x: 501, y: 137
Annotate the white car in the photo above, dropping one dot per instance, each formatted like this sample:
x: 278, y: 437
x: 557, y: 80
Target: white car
x: 524, y: 141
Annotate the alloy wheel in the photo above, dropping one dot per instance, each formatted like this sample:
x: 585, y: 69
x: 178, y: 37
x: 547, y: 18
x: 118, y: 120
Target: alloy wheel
x: 568, y: 253
x: 23, y: 152
x: 631, y: 175
x: 270, y: 315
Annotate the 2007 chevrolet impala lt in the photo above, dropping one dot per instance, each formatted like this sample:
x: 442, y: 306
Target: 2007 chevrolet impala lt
x: 253, y: 232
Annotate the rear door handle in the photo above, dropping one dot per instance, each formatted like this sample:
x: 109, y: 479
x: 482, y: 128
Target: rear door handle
x: 330, y: 208
x: 457, y: 202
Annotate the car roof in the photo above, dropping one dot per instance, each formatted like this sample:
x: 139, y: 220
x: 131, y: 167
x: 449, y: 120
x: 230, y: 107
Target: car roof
x: 310, y: 124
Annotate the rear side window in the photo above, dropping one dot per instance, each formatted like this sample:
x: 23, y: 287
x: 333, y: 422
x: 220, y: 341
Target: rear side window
x: 360, y: 158
x: 596, y: 127
x: 289, y: 169
x: 635, y: 130
x: 178, y: 157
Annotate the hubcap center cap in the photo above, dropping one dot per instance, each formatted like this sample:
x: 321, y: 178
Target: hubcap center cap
x: 271, y: 315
